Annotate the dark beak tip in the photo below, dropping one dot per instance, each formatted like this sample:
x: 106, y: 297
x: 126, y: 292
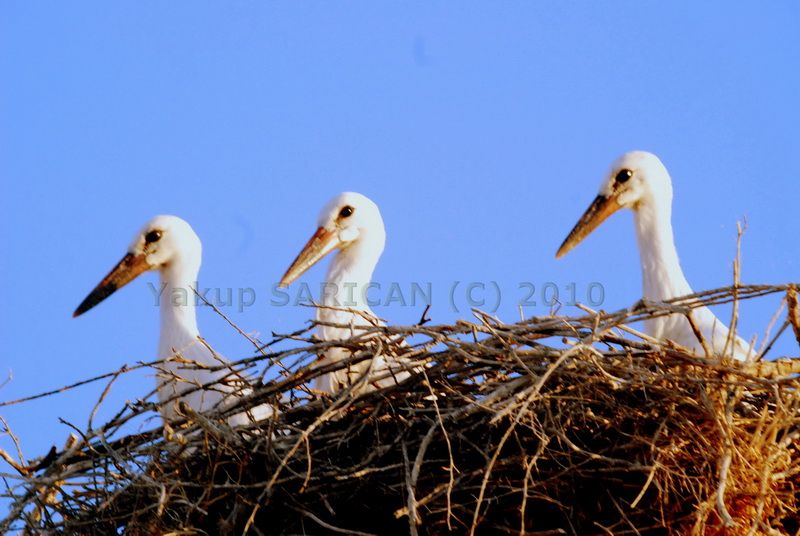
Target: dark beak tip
x: 564, y: 249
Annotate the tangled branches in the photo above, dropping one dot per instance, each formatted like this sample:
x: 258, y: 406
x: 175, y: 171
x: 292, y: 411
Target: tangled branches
x: 555, y: 425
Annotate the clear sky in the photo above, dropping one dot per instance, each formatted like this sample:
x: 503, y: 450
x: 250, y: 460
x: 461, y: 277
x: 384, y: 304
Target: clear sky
x: 481, y: 129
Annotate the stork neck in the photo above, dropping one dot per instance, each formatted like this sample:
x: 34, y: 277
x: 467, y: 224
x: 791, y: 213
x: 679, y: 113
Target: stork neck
x: 349, y: 277
x: 662, y: 276
x: 177, y: 307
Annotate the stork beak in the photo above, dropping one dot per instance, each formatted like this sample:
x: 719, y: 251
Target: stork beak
x: 601, y: 208
x: 123, y: 273
x: 320, y: 244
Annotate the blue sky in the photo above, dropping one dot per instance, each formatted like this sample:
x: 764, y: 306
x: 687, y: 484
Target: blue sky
x: 482, y: 130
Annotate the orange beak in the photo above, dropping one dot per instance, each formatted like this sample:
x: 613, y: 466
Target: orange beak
x: 320, y: 244
x: 123, y: 273
x: 601, y: 208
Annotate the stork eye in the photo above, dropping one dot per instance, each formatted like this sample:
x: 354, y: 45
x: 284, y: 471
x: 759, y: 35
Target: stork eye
x: 346, y: 211
x: 623, y: 176
x: 152, y: 236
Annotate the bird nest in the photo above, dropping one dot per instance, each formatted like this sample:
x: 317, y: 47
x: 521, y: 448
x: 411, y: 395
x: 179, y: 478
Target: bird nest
x: 554, y: 425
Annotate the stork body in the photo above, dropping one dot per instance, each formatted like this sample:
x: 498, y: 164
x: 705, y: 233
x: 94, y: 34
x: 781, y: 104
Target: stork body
x: 344, y: 302
x: 169, y: 245
x: 352, y: 224
x: 638, y: 180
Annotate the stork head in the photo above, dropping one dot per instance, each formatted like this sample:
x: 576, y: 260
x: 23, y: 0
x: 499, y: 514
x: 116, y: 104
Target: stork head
x: 349, y: 222
x: 164, y: 242
x: 635, y: 179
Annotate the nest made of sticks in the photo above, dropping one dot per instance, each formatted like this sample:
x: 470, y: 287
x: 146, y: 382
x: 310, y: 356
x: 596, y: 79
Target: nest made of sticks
x: 554, y: 425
